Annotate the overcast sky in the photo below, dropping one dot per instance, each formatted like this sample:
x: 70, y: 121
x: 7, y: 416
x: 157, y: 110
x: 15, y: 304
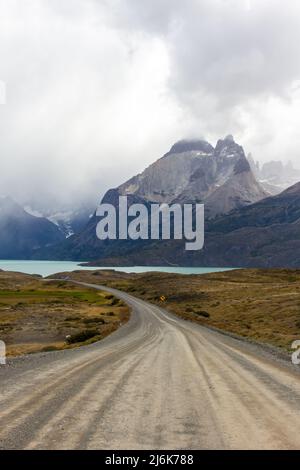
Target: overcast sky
x: 96, y: 90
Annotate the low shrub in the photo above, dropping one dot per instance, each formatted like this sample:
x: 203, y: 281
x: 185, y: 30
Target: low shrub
x: 81, y: 336
x: 202, y: 313
x: 50, y: 348
x: 90, y: 320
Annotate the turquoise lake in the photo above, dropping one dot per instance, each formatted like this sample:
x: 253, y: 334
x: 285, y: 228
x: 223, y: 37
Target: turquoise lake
x: 46, y: 268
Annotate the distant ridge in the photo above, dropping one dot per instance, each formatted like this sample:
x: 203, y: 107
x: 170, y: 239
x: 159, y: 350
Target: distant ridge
x: 193, y: 171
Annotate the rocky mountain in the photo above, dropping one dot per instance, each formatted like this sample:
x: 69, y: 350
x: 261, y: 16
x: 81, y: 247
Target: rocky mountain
x: 21, y: 234
x: 195, y: 171
x: 192, y: 171
x: 265, y: 234
x: 69, y: 218
x: 274, y: 176
x: 245, y: 225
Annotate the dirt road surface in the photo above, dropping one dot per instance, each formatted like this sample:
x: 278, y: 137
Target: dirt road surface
x: 157, y: 383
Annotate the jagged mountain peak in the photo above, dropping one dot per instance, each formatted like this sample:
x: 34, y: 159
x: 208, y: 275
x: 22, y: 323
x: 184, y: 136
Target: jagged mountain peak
x: 275, y: 176
x: 193, y: 171
x: 228, y: 148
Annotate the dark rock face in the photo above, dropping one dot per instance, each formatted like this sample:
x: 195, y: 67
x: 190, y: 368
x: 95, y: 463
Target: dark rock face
x: 228, y: 147
x: 264, y: 234
x: 241, y: 166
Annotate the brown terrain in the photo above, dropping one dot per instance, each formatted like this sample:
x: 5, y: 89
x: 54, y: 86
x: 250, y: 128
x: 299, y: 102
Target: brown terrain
x: 258, y: 304
x: 38, y: 315
x: 159, y: 382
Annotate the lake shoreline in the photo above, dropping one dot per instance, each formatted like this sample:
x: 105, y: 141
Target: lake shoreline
x: 48, y: 268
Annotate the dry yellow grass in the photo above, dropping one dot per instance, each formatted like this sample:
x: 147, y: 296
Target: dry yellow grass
x: 38, y: 316
x: 262, y: 305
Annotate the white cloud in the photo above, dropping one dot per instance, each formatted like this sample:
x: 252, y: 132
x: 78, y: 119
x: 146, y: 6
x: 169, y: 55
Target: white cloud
x: 98, y: 90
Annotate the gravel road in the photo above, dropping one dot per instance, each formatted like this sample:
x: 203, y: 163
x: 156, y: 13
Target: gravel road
x: 158, y: 382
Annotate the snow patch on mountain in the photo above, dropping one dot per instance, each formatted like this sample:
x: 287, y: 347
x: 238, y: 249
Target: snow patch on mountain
x: 181, y: 176
x: 275, y: 176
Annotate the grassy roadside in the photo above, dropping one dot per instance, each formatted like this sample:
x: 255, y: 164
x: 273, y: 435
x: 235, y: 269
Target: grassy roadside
x: 262, y: 305
x: 37, y: 315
